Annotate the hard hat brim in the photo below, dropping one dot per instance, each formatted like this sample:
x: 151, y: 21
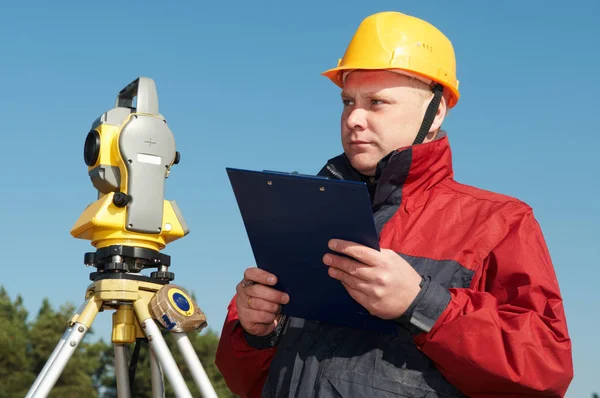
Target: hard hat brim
x: 336, y: 76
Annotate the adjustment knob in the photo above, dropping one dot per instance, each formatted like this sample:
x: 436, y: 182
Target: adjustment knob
x: 120, y: 199
x: 89, y: 259
x: 163, y: 275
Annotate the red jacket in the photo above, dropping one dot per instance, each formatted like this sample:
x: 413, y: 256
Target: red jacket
x: 491, y: 321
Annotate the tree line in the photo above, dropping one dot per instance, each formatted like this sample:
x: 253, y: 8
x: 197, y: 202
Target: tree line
x: 26, y: 345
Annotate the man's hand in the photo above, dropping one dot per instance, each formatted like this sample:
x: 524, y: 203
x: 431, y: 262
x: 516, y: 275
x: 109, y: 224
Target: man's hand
x: 258, y: 304
x: 382, y: 282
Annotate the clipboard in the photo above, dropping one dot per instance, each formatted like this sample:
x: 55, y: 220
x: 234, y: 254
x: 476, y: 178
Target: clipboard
x: 289, y: 219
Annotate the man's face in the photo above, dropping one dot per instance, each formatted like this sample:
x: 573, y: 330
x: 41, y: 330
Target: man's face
x: 382, y: 112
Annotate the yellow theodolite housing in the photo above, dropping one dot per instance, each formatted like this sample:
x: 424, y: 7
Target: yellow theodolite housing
x: 129, y: 153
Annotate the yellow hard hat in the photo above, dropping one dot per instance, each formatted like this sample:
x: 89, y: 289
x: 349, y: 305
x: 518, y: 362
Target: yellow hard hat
x: 392, y: 40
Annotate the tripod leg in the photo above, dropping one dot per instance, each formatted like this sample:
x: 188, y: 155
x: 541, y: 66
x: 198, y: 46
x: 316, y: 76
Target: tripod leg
x: 49, y: 362
x: 122, y: 376
x: 193, y: 363
x: 158, y: 344
x: 64, y: 350
x: 158, y: 385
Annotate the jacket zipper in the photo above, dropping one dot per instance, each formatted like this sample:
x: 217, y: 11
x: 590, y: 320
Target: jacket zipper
x: 333, y: 171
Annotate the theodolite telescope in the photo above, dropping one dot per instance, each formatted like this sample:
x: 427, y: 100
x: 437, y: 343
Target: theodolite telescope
x: 129, y: 153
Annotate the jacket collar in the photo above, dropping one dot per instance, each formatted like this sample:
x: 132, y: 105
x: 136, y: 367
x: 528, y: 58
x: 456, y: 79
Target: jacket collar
x: 430, y: 164
x: 413, y: 170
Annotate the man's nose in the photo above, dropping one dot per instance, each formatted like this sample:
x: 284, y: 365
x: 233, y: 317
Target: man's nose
x: 357, y: 119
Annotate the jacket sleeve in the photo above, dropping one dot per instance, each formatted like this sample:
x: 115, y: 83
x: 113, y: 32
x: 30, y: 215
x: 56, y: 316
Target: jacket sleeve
x: 244, y: 367
x: 507, y: 334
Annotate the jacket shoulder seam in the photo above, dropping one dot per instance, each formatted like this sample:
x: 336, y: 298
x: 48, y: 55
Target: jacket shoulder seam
x: 481, y: 194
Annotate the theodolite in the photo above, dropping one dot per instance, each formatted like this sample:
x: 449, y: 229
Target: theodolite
x: 129, y: 152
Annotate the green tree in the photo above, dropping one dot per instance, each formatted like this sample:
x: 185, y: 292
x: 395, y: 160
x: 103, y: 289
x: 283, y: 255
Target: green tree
x: 82, y: 375
x: 26, y: 346
x: 15, y: 373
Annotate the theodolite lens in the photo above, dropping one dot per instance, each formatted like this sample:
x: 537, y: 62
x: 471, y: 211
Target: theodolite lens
x: 91, y: 149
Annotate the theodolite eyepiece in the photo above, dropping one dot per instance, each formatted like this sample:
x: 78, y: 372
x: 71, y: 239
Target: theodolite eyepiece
x: 91, y: 149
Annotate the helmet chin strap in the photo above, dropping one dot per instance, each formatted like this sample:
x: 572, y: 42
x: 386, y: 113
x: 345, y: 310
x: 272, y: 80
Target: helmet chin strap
x: 438, y: 91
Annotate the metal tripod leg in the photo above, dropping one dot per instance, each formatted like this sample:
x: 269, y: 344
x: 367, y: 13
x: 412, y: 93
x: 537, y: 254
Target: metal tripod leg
x: 121, y: 371
x: 64, y: 350
x: 158, y: 344
x: 122, y: 375
x: 50, y: 361
x: 158, y: 384
x: 193, y: 363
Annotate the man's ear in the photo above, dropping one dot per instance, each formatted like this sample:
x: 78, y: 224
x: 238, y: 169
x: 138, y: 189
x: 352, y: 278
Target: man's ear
x: 440, y: 115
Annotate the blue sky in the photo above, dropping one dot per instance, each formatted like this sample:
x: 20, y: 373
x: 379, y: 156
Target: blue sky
x: 240, y: 85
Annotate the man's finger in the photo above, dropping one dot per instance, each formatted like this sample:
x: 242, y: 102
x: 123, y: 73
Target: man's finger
x: 267, y: 293
x: 358, y: 295
x: 261, y: 329
x: 260, y: 276
x: 259, y: 304
x: 247, y: 283
x: 347, y: 265
x: 348, y: 280
x: 255, y: 316
x: 357, y: 251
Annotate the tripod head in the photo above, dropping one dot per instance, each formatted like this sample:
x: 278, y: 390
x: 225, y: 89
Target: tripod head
x: 129, y: 152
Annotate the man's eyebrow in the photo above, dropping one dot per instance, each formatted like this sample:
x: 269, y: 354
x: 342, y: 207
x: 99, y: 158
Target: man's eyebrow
x: 368, y: 94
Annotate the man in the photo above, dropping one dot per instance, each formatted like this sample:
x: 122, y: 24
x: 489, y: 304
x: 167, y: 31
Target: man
x: 464, y: 273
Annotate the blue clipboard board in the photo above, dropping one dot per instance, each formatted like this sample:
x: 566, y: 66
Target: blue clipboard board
x: 289, y: 219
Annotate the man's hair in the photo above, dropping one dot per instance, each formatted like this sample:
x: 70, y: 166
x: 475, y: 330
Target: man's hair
x: 424, y: 93
x: 423, y: 89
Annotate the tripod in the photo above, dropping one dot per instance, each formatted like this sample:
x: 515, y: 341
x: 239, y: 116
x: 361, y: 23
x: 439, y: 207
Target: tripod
x: 129, y: 224
x: 139, y: 302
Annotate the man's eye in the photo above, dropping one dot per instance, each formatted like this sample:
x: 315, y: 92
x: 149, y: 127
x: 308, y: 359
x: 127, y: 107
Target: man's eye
x: 347, y: 102
x: 377, y: 102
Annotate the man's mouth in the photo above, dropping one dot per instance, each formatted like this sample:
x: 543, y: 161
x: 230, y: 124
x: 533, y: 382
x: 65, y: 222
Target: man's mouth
x: 359, y: 142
